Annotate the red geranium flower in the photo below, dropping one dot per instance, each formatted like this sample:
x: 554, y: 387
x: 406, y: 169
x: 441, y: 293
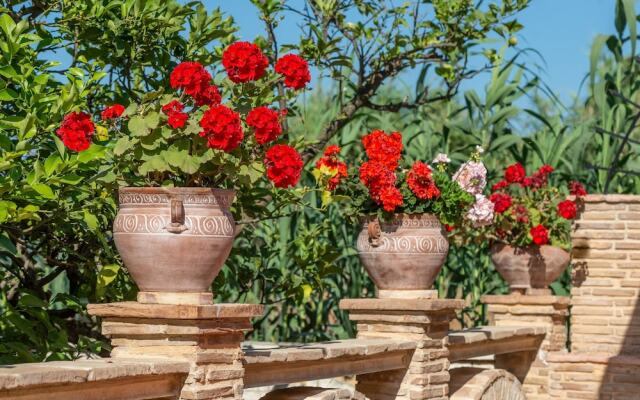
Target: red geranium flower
x: 500, y: 185
x: 382, y: 148
x: 501, y: 202
x: 545, y: 169
x: 111, y: 112
x: 244, y: 62
x: 567, y: 209
x: 177, y: 120
x: 375, y: 177
x: 576, y: 189
x: 295, y: 71
x: 421, y: 182
x: 284, y: 165
x: 331, y: 161
x: 172, y: 106
x: 190, y: 76
x: 266, y: 124
x: 207, y: 95
x: 449, y: 228
x: 76, y: 131
x: 391, y: 198
x: 222, y: 128
x: 540, y: 235
x: 514, y: 173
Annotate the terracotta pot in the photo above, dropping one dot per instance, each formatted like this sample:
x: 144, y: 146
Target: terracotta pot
x: 531, y: 267
x: 174, y: 241
x: 404, y: 254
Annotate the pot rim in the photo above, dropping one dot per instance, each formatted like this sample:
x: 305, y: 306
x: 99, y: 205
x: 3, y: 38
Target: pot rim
x: 194, y: 190
x: 534, y: 246
x: 400, y: 216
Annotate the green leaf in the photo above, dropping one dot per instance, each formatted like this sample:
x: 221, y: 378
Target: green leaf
x: 8, y: 94
x: 137, y: 126
x: 152, y: 120
x: 43, y: 190
x: 90, y: 220
x: 107, y: 274
x: 122, y: 145
x: 51, y: 163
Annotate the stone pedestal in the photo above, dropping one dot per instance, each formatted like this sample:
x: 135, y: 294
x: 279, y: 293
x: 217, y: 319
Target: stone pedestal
x: 423, y: 321
x: 550, y: 312
x: 208, y: 336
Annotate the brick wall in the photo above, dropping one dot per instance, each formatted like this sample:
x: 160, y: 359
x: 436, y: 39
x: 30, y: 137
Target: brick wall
x: 605, y: 314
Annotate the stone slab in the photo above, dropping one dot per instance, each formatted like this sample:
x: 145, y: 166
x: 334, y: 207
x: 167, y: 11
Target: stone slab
x: 132, y: 309
x: 486, y: 333
x: 593, y: 358
x: 175, y: 298
x: 264, y: 352
x: 517, y: 298
x: 424, y: 305
x: 65, y: 372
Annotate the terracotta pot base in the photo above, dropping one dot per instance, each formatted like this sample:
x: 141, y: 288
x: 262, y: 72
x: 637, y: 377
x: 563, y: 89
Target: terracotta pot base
x: 407, y: 294
x: 195, y: 298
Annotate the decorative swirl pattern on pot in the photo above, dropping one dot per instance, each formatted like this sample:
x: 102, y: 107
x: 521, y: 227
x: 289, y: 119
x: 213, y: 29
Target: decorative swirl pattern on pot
x: 408, y: 222
x: 195, y: 225
x: 403, y: 244
x: 221, y: 200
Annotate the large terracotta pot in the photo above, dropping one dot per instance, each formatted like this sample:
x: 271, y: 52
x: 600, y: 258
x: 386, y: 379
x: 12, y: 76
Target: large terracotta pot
x: 403, y: 256
x: 174, y: 241
x: 531, y: 267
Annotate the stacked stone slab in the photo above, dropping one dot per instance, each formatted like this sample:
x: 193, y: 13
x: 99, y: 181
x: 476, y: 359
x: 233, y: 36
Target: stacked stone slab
x: 549, y: 312
x: 209, y: 337
x: 424, y: 321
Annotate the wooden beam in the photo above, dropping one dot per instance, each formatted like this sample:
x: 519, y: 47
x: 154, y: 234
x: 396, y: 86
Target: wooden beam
x: 277, y: 373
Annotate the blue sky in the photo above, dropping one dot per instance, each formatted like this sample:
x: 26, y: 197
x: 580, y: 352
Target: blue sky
x: 561, y: 30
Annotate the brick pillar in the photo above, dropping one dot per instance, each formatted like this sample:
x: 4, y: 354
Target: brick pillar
x: 208, y: 336
x: 550, y: 312
x: 423, y: 321
x: 605, y: 313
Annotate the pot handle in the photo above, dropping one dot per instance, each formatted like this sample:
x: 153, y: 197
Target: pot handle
x: 374, y: 231
x: 177, y: 217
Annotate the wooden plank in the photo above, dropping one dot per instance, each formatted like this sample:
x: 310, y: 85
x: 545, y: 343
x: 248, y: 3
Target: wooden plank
x: 513, y: 344
x: 277, y: 373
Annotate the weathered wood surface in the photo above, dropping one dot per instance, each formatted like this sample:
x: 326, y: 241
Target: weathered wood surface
x: 272, y: 364
x: 100, y: 379
x: 489, y: 340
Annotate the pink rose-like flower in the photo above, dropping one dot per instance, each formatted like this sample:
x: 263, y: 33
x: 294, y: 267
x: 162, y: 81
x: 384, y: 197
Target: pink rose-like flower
x: 472, y: 177
x: 481, y: 213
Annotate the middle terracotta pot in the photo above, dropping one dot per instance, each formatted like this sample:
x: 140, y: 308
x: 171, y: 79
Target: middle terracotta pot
x: 405, y: 254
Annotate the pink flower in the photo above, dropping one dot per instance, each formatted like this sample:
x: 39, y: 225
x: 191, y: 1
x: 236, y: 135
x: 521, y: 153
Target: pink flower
x: 481, y: 213
x: 472, y: 177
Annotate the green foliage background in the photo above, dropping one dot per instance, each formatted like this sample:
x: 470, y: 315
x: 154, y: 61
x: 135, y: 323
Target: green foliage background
x: 56, y: 208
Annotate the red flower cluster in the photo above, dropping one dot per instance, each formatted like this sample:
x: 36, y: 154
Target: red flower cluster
x: 421, y: 182
x: 500, y: 185
x: 539, y: 179
x: 266, y: 124
x: 567, y: 209
x: 377, y: 178
x: 76, y: 131
x: 177, y: 118
x: 295, y: 71
x: 576, y: 189
x: 284, y: 165
x: 382, y: 148
x: 501, y: 202
x: 244, y: 62
x: 222, y: 128
x: 391, y: 198
x: 540, y: 235
x: 196, y: 82
x: 515, y: 173
x: 111, y: 112
x: 331, y: 161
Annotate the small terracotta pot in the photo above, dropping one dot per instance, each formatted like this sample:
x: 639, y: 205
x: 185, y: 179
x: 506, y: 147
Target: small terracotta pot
x: 531, y: 267
x: 174, y: 241
x: 403, y: 256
